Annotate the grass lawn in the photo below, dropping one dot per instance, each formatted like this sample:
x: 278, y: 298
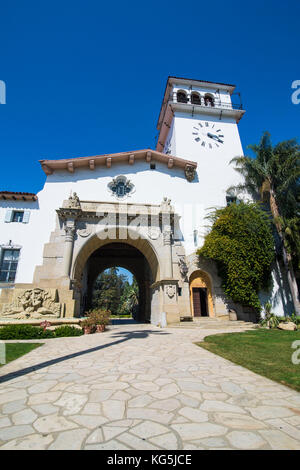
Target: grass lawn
x: 266, y: 352
x: 15, y: 350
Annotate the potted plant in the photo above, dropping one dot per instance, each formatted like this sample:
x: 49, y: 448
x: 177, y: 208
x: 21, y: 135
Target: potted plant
x: 87, y: 325
x: 100, y: 318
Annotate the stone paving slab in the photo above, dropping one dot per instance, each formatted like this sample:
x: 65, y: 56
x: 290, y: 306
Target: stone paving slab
x: 140, y: 387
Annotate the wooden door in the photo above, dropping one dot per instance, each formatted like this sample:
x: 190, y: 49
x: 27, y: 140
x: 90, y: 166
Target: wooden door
x: 200, y: 302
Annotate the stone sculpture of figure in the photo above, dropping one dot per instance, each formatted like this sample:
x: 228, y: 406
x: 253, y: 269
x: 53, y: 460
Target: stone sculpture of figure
x: 25, y: 299
x: 166, y: 204
x: 37, y: 299
x: 74, y: 202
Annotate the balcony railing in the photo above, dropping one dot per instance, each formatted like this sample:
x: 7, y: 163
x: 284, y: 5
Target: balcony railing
x: 218, y: 104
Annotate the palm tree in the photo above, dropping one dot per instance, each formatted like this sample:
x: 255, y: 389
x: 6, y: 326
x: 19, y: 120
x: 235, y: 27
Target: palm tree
x: 273, y: 177
x: 133, y: 296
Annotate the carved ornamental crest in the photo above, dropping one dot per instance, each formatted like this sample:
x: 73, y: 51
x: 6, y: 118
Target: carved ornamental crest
x: 171, y: 291
x: 190, y: 172
x: 121, y: 187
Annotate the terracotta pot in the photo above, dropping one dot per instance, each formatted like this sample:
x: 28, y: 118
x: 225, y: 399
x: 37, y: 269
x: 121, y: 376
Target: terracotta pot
x: 87, y: 330
x: 100, y: 328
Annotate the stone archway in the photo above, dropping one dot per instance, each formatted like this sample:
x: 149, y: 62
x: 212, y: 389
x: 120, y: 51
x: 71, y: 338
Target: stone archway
x: 136, y: 255
x: 201, y: 293
x: 86, y: 226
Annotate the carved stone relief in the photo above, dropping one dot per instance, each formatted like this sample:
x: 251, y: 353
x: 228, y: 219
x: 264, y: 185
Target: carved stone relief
x: 33, y: 303
x: 190, y: 172
x: 153, y: 233
x: 167, y: 235
x: 171, y: 291
x: 83, y: 230
x: 183, y: 268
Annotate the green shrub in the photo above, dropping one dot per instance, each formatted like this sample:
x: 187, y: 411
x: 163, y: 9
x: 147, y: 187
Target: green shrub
x: 242, y: 245
x: 24, y: 332
x: 36, y: 332
x: 67, y: 330
x: 272, y: 321
x: 87, y: 323
x: 295, y: 318
x: 98, y: 316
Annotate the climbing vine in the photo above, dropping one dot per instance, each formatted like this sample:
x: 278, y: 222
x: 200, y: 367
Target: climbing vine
x: 241, y: 243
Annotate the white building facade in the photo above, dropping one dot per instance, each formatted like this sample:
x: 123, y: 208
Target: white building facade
x: 143, y: 210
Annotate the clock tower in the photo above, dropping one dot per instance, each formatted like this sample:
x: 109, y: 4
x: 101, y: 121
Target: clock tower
x: 199, y: 121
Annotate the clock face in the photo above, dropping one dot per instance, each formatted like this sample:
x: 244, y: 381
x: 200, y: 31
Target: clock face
x: 208, y: 134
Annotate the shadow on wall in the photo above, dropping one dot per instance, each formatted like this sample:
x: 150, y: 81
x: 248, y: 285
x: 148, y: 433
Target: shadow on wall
x: 20, y: 205
x: 280, y: 296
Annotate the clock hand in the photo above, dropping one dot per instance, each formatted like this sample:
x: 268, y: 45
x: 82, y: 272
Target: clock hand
x: 214, y: 137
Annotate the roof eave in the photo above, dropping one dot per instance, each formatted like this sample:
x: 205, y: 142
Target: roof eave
x: 107, y: 160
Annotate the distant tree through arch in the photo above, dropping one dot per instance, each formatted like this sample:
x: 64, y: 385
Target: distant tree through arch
x: 116, y: 289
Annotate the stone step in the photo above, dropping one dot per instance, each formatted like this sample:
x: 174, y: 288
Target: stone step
x: 214, y: 323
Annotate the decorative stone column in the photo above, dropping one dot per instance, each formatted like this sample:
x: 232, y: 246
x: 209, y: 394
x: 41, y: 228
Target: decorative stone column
x: 170, y: 300
x: 167, y: 239
x: 68, y: 253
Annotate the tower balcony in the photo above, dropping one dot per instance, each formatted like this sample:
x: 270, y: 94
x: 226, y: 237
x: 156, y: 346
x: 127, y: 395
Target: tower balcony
x: 205, y: 105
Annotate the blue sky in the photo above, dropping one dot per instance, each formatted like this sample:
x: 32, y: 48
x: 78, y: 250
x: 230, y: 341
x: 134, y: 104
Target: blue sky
x: 87, y: 77
x: 125, y: 272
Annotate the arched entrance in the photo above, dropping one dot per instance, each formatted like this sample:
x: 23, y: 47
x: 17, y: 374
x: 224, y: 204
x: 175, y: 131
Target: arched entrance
x: 201, y: 295
x: 125, y: 256
x: 97, y: 255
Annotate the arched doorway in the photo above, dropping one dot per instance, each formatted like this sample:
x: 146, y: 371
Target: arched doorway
x: 137, y: 256
x: 201, y: 295
x: 125, y: 256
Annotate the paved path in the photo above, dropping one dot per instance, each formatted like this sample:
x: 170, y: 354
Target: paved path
x: 139, y: 387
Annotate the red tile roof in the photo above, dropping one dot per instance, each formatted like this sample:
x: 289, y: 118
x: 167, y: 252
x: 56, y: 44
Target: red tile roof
x: 18, y: 196
x: 107, y: 160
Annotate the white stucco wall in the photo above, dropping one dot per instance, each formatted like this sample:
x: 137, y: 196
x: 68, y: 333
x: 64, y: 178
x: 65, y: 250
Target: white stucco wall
x: 192, y: 200
x: 189, y: 199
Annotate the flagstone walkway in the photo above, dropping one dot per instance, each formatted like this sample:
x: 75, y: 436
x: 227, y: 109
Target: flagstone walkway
x: 140, y: 387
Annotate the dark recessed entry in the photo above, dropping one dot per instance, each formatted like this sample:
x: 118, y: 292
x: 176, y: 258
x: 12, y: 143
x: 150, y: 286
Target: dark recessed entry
x: 200, y: 301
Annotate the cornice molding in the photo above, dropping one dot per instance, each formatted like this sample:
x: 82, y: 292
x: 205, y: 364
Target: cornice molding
x: 17, y: 196
x: 108, y: 160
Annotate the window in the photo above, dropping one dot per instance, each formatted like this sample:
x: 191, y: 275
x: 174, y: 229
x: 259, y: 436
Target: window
x: 18, y: 216
x: 152, y: 166
x: 195, y: 98
x: 9, y: 263
x: 231, y: 199
x: 182, y: 97
x: 195, y: 233
x: 208, y: 100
